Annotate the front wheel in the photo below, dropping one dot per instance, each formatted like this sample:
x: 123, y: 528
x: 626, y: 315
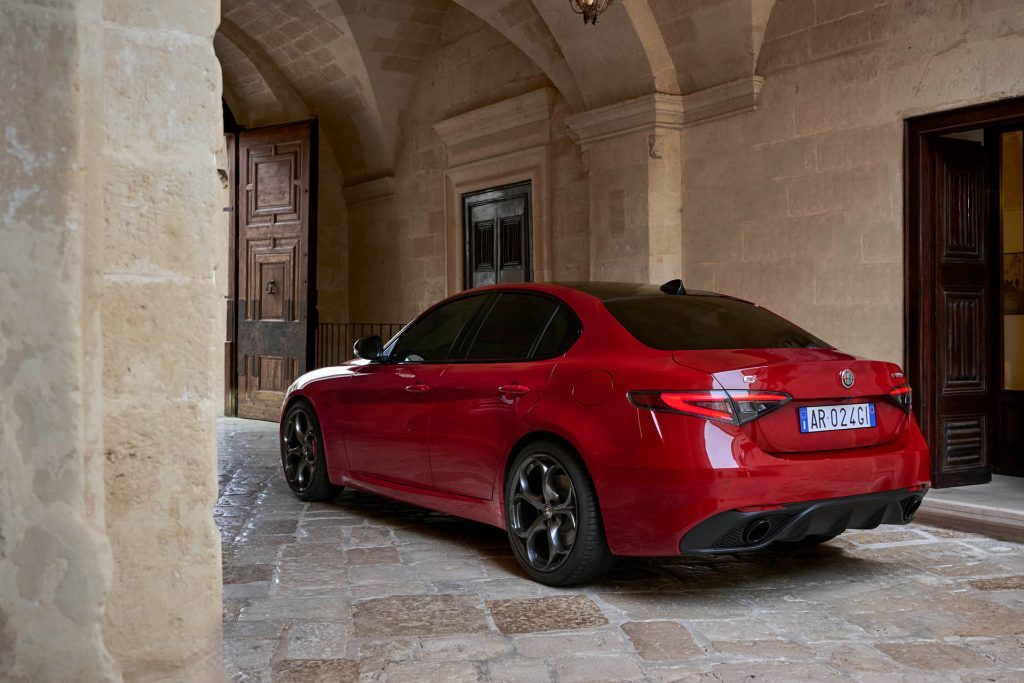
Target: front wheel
x: 552, y: 517
x: 302, y: 455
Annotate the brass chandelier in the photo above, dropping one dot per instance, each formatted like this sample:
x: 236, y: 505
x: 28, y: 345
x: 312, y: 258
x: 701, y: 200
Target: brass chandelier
x: 590, y: 9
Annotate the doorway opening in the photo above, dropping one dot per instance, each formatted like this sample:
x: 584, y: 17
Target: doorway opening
x: 498, y: 235
x: 272, y: 182
x: 964, y: 303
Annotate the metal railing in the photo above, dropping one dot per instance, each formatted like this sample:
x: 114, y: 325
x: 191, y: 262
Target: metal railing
x: 334, y: 340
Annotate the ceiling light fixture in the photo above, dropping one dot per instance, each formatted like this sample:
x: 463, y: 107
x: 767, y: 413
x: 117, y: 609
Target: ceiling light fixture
x: 590, y: 9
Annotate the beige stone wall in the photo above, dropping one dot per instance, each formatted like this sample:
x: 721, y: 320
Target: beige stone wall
x: 55, y: 562
x: 332, y: 240
x: 110, y: 333
x: 162, y: 328
x: 799, y: 205
x: 398, y: 263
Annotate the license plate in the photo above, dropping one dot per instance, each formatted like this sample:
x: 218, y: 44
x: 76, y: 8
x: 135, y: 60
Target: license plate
x: 833, y: 418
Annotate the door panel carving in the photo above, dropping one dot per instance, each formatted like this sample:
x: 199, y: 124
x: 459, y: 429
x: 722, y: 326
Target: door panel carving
x: 964, y: 363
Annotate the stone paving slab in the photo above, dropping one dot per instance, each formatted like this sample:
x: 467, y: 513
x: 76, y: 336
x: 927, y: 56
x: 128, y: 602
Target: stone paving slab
x: 366, y: 589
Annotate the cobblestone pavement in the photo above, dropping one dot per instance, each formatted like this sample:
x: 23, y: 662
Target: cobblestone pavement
x: 368, y: 589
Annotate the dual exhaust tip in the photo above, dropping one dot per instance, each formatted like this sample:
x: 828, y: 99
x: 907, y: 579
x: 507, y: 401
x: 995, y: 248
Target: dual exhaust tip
x: 759, y: 529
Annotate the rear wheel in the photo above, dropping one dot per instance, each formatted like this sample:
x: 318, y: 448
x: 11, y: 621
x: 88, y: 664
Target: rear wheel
x: 552, y: 517
x: 302, y: 455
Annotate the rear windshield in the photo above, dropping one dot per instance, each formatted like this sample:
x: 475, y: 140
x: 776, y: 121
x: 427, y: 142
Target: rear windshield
x: 688, y: 323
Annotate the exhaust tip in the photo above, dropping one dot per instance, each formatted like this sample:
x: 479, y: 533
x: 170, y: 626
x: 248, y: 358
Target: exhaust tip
x: 910, y: 507
x: 756, y: 531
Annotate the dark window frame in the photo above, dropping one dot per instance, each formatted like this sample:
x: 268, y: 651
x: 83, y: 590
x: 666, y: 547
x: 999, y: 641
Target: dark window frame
x: 459, y: 341
x: 467, y: 342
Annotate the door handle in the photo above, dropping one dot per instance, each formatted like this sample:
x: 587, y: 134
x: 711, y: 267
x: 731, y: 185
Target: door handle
x: 513, y: 390
x: 418, y: 388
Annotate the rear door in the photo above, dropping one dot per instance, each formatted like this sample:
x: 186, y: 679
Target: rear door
x: 385, y: 410
x: 499, y: 376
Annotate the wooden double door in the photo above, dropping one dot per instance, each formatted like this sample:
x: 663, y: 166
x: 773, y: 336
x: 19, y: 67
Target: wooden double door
x: 272, y: 306
x: 956, y: 353
x: 498, y: 236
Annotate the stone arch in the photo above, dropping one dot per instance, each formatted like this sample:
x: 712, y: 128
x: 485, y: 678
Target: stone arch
x: 712, y: 42
x: 255, y: 89
x: 312, y: 48
x: 523, y: 26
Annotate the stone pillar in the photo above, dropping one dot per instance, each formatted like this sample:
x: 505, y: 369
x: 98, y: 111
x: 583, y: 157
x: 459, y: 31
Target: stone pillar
x: 55, y: 566
x: 110, y: 329
x: 633, y: 159
x: 162, y: 326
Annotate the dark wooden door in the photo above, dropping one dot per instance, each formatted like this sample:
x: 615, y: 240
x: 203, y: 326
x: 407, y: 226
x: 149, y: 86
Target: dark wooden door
x: 276, y: 257
x: 964, y: 355
x: 497, y: 235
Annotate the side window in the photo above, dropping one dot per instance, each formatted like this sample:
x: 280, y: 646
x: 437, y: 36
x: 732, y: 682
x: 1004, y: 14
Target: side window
x: 559, y: 335
x: 512, y: 328
x: 430, y: 339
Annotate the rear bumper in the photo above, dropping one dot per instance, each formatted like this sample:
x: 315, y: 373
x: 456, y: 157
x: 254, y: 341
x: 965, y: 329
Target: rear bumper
x: 737, y: 531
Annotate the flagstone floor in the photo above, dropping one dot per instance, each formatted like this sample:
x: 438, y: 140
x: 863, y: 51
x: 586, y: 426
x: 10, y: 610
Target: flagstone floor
x: 365, y: 589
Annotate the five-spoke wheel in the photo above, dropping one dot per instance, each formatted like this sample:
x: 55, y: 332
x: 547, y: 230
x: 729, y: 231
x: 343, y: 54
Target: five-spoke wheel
x: 543, y: 515
x: 302, y: 456
x: 552, y: 518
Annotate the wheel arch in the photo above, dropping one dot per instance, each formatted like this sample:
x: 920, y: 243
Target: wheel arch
x: 523, y: 442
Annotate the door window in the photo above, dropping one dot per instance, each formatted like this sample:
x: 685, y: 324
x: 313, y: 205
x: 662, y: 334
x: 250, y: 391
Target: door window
x: 513, y: 328
x: 560, y: 334
x: 431, y: 338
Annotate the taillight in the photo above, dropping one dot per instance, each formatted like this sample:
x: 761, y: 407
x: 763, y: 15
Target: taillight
x: 737, y: 406
x: 901, y: 396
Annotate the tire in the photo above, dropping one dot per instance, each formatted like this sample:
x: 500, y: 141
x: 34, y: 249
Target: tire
x: 803, y: 544
x: 535, y: 514
x: 302, y: 455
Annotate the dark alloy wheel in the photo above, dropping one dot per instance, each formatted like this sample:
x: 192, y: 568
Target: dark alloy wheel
x: 552, y: 517
x: 302, y: 455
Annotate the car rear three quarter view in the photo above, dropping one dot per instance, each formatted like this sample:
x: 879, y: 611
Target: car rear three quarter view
x: 592, y: 420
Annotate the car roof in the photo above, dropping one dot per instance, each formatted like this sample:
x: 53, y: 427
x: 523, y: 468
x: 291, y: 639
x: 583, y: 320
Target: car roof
x: 603, y: 291
x: 609, y: 291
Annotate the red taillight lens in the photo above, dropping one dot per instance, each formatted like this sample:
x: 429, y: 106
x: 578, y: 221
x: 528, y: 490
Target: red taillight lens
x: 901, y: 396
x: 735, y: 407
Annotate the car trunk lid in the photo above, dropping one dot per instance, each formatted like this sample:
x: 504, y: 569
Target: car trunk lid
x: 812, y: 377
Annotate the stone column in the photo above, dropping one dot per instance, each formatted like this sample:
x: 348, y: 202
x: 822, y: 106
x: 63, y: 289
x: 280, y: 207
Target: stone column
x: 633, y: 158
x: 110, y: 329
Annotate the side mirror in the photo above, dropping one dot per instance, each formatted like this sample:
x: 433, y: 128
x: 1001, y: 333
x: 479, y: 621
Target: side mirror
x: 369, y: 348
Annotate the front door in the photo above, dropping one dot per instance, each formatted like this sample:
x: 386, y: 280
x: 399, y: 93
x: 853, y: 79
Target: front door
x: 276, y: 233
x: 482, y: 398
x: 498, y: 236
x: 385, y: 412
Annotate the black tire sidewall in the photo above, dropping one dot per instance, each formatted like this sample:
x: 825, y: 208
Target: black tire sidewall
x: 321, y: 488
x: 590, y: 546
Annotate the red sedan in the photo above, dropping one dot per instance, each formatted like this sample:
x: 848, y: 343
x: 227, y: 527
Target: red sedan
x: 601, y: 419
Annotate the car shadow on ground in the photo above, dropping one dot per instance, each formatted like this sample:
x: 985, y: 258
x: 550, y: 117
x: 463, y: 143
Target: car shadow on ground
x: 763, y: 569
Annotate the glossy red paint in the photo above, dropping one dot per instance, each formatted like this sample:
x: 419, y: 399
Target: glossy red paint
x: 446, y: 444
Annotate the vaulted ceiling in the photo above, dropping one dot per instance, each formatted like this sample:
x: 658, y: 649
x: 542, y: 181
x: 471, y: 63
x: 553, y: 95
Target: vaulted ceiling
x: 354, y: 63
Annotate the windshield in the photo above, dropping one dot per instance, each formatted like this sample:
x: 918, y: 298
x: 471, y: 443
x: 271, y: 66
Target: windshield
x: 693, y: 322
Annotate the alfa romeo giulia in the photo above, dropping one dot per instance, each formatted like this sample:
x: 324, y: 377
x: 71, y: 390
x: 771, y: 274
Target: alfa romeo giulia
x: 592, y: 420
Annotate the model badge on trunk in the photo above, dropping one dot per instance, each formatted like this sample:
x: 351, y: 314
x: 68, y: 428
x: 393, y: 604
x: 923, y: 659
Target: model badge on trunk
x: 846, y: 377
